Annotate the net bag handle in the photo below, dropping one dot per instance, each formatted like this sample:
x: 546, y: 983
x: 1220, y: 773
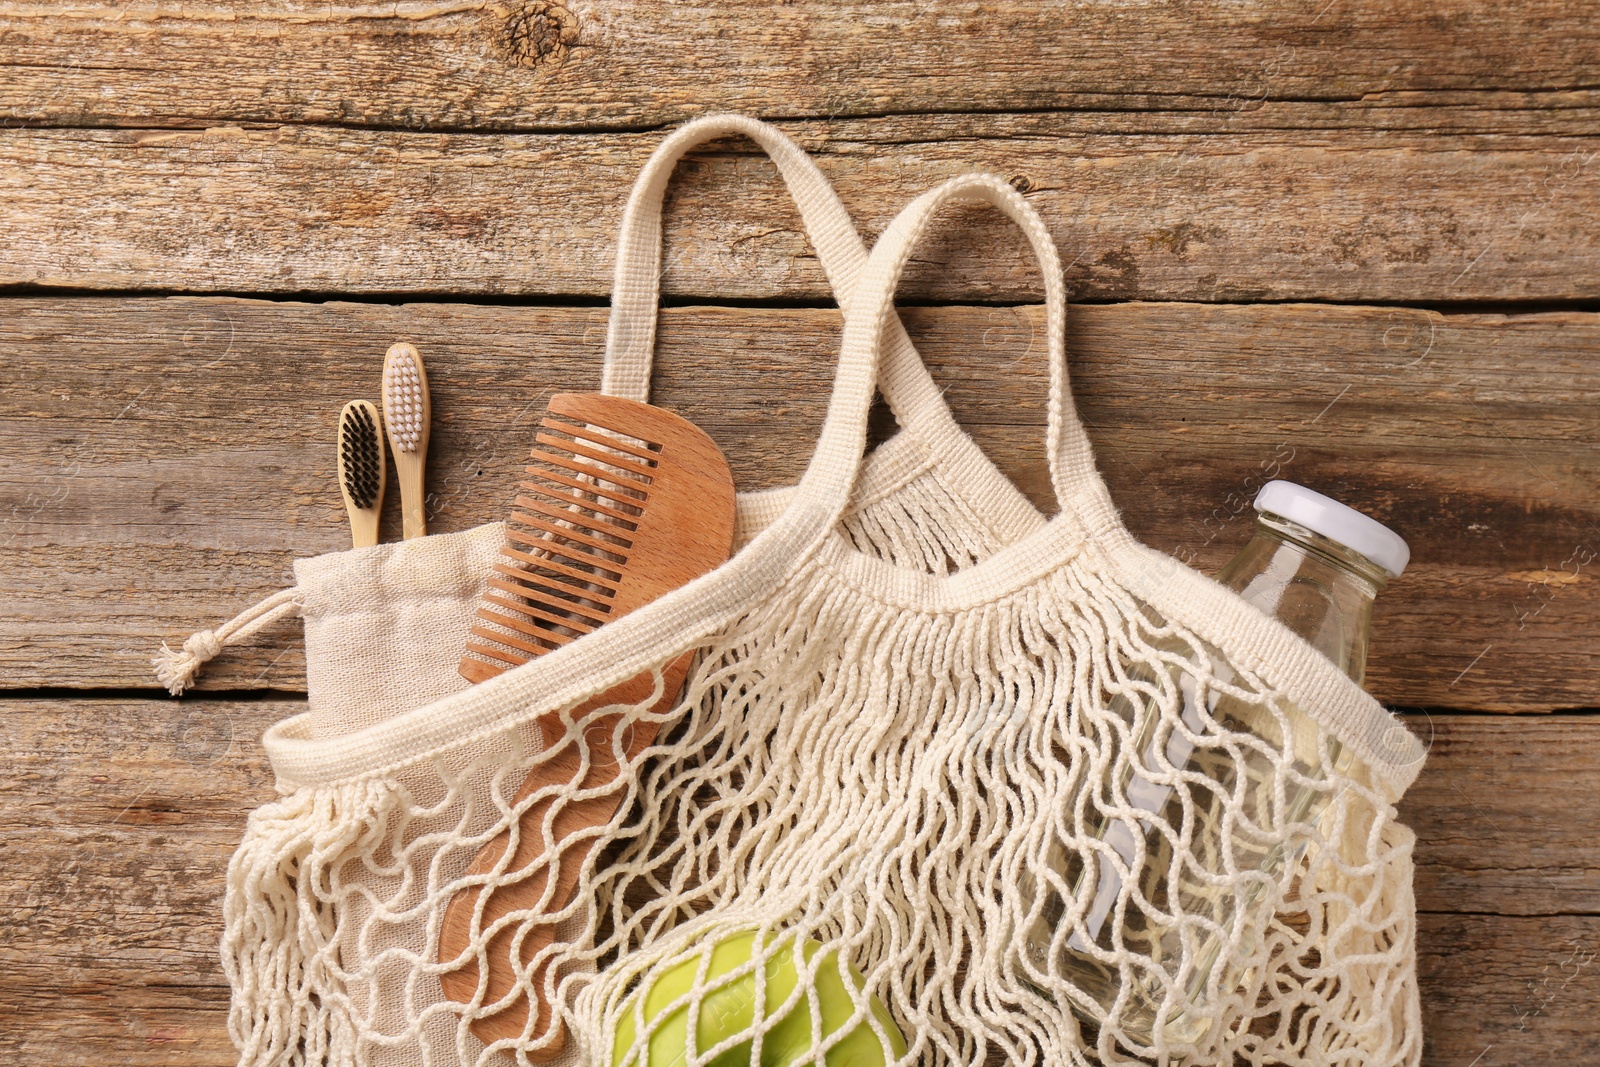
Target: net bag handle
x: 916, y: 399
x: 870, y: 318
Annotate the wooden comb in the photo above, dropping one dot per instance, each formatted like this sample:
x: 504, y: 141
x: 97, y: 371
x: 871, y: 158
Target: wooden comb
x: 624, y: 502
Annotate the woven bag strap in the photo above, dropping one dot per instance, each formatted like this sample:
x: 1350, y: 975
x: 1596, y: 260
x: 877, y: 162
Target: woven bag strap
x: 917, y: 401
x: 636, y: 283
x: 869, y: 321
x: 1244, y: 634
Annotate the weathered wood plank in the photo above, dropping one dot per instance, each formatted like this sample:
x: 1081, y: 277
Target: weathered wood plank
x: 118, y: 818
x: 164, y: 460
x: 1505, y: 812
x: 116, y: 824
x: 1506, y: 992
x: 1280, y: 215
x: 541, y: 64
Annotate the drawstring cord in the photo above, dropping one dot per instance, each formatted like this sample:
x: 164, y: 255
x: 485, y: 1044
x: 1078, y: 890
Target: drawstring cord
x: 176, y: 668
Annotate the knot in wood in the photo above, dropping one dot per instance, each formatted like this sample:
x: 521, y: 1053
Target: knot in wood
x: 539, y: 34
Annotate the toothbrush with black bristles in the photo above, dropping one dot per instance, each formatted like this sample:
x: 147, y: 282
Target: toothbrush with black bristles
x: 361, y: 470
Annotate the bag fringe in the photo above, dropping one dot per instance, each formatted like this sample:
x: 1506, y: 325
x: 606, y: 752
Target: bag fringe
x: 280, y: 935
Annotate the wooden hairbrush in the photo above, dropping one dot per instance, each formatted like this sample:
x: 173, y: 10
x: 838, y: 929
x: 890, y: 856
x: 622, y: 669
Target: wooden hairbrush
x: 361, y: 471
x: 624, y: 502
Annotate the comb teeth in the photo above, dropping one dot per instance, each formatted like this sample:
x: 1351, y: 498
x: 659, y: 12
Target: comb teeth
x: 570, y: 539
x: 360, y: 454
x: 402, y: 397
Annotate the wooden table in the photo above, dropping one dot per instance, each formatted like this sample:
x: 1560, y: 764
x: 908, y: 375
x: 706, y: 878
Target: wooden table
x: 1350, y: 242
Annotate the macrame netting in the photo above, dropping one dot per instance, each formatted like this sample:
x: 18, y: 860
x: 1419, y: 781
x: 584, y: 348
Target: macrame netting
x: 890, y: 796
x: 882, y: 772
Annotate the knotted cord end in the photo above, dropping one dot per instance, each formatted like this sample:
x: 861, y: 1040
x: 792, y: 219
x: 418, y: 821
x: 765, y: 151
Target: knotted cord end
x: 176, y: 668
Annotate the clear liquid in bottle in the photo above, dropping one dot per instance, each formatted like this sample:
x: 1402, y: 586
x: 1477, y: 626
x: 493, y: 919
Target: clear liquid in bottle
x: 1316, y: 566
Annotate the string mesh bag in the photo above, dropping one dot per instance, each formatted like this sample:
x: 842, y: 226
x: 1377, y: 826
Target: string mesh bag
x: 915, y: 709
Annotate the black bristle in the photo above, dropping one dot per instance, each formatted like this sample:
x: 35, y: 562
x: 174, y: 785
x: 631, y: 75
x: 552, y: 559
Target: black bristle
x: 358, y: 447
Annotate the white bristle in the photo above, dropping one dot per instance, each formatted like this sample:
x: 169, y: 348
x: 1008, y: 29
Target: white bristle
x: 402, y: 388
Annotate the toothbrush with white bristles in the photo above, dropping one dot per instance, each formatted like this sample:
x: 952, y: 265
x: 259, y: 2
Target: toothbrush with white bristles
x: 406, y: 414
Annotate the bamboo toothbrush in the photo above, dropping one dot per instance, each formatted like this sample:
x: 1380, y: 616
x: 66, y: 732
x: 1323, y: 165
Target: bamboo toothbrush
x: 624, y: 502
x: 406, y: 415
x: 361, y: 470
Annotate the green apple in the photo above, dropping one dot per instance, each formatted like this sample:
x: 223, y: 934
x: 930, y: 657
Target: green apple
x: 730, y: 1009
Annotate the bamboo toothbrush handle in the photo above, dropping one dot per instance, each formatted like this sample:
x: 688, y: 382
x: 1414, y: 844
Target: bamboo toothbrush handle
x: 361, y: 470
x: 363, y: 528
x: 413, y: 516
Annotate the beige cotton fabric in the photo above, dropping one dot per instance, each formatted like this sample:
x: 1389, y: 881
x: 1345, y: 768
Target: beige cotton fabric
x: 902, y: 708
x: 377, y: 620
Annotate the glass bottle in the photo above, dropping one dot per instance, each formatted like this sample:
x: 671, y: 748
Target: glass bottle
x: 1315, y: 565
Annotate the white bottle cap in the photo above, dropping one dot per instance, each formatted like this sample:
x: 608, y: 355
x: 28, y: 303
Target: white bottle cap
x: 1336, y: 522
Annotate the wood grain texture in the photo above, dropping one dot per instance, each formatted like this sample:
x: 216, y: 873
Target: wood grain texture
x: 519, y: 64
x: 164, y: 460
x: 1155, y: 212
x: 118, y: 819
x: 1506, y: 992
x: 1505, y: 811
